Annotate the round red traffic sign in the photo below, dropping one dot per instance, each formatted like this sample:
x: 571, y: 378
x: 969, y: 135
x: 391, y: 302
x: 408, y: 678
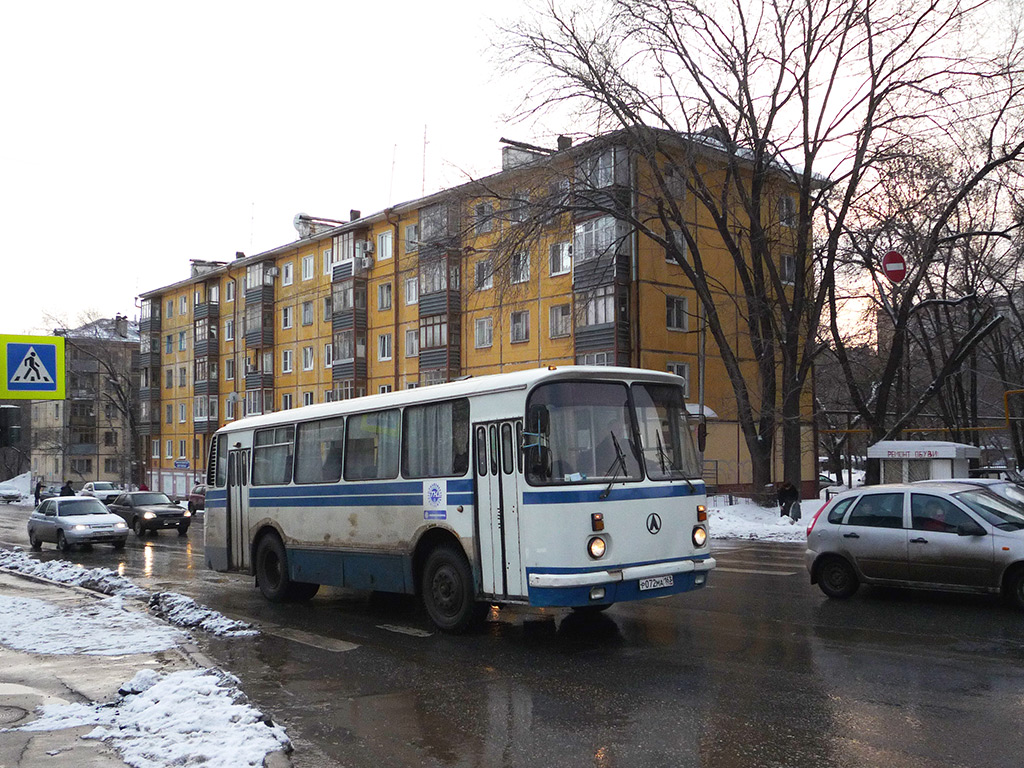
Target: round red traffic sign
x: 893, y: 266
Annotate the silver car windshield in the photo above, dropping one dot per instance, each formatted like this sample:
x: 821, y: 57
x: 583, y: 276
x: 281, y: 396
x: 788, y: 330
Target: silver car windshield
x: 993, y: 509
x: 80, y: 507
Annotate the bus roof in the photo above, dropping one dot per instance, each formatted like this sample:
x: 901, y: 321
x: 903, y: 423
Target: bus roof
x: 477, y: 385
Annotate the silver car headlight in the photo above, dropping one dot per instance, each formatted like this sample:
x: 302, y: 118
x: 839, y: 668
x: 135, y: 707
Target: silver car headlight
x: 121, y: 525
x: 80, y: 527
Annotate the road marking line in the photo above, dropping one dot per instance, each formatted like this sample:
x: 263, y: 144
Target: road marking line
x: 307, y: 638
x: 411, y: 631
x: 754, y: 570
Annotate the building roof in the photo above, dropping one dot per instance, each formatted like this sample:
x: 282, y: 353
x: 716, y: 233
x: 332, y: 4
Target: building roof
x: 104, y: 329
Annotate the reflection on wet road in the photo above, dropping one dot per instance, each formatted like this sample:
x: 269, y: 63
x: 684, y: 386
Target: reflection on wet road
x: 757, y: 670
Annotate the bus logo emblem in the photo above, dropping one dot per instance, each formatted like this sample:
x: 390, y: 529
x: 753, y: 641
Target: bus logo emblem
x: 653, y: 523
x: 434, y: 494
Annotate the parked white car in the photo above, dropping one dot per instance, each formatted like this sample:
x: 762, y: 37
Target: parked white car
x: 9, y: 494
x: 105, y: 492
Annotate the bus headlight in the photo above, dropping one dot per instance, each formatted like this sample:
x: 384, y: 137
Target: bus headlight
x: 700, y: 536
x: 596, y: 547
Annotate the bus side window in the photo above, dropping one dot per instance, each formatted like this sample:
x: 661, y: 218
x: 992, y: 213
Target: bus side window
x: 481, y: 451
x: 494, y: 450
x: 519, y: 445
x: 507, y: 456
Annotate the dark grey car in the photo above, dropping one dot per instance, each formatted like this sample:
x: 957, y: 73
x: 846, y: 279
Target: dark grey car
x: 941, y: 536
x: 150, y: 511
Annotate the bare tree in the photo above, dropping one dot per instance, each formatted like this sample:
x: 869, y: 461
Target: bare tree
x: 753, y: 104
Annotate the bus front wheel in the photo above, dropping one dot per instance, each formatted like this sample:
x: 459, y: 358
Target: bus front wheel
x: 447, y: 590
x: 272, y: 573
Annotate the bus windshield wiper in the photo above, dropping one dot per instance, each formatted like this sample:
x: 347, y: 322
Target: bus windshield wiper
x: 663, y: 454
x: 619, y: 463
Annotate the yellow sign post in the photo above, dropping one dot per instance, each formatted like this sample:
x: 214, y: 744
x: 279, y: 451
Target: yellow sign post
x: 32, y: 367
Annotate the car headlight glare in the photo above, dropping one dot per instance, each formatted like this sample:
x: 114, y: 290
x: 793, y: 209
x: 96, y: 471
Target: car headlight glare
x: 596, y: 547
x: 700, y: 536
x: 149, y: 515
x: 80, y: 527
x: 120, y: 525
x: 186, y: 513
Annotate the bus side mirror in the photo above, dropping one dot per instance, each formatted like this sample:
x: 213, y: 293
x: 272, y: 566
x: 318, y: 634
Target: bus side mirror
x: 702, y: 436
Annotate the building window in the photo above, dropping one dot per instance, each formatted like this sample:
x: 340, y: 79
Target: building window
x: 483, y: 218
x: 384, y: 296
x: 81, y: 466
x: 412, y: 236
x: 183, y: 305
x: 307, y: 267
x: 229, y: 369
x: 286, y: 401
x: 182, y: 413
x: 412, y: 343
x: 110, y: 439
x: 787, y: 211
x: 307, y: 359
x: 328, y: 355
x: 287, y: 273
x: 483, y: 275
x: 432, y: 277
x: 229, y: 409
x: 384, y: 346
x: 484, y: 332
x: 154, y: 451
x: 183, y: 376
x: 599, y: 306
x: 412, y: 290
x: 169, y: 449
x: 169, y: 344
x: 519, y: 207
x: 181, y: 341
x: 595, y: 237
x: 520, y: 267
x: 682, y: 370
x: 676, y: 313
x: 385, y: 246
x: 169, y: 413
x: 433, y: 332
x: 287, y: 319
x: 678, y: 239
x: 787, y: 268
x: 307, y: 398
x: 110, y: 466
x: 560, y: 258
x: 598, y: 170
x: 182, y: 449
x: 327, y: 309
x: 169, y: 378
x: 383, y: 389
x: 229, y: 329
x: 520, y: 327
x: 328, y: 260
x: 559, y: 321
x: 286, y: 360
x: 170, y: 308
x: 595, y: 358
x: 307, y: 313
x: 229, y: 291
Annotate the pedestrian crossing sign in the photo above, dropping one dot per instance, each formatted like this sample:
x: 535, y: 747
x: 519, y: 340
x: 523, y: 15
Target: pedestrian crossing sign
x: 33, y: 367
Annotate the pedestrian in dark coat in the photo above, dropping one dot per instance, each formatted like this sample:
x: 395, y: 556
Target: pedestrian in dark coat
x: 788, y: 496
x: 39, y: 490
x: 66, y: 489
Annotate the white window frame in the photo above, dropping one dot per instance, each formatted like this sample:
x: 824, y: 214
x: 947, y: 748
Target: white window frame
x: 483, y: 332
x: 154, y: 450
x: 682, y: 370
x: 182, y: 413
x: 412, y: 342
x: 308, y: 358
x: 229, y: 291
x: 286, y: 401
x: 307, y: 267
x: 787, y: 268
x: 288, y: 273
x: 483, y: 275
x: 677, y: 313
x: 307, y: 313
x: 287, y: 317
x: 328, y: 355
x: 307, y: 398
x: 787, y: 211
x: 520, y: 267
x: 229, y: 369
x: 519, y: 320
x: 412, y: 291
x: 182, y: 449
x: 680, y: 241
x: 559, y: 259
x: 383, y: 346
x: 384, y: 296
x: 169, y: 446
x: 287, y: 360
x: 229, y: 329
x: 564, y: 312
x: 385, y: 245
x: 328, y: 259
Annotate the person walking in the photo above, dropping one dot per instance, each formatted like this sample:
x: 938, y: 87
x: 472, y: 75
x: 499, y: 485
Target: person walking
x: 66, y: 489
x: 788, y: 497
x: 39, y: 489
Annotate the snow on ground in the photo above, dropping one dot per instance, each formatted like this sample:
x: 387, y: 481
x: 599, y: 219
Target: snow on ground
x: 175, y: 608
x: 195, y: 717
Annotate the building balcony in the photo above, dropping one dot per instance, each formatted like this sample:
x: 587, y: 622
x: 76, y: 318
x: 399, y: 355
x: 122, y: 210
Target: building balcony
x: 206, y: 347
x: 259, y: 380
x: 206, y: 387
x: 83, y: 449
x: 149, y: 393
x: 260, y: 337
x: 83, y: 365
x: 206, y: 311
x: 149, y: 325
x: 82, y: 393
x: 150, y: 359
x: 205, y: 425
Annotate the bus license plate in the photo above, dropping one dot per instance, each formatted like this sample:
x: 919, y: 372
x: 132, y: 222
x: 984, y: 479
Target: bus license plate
x: 656, y: 582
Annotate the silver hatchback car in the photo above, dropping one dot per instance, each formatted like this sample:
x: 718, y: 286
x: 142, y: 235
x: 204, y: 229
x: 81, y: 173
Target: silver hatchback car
x: 944, y: 536
x: 69, y: 520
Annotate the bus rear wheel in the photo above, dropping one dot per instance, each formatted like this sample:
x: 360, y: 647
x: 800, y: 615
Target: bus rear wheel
x: 272, y: 574
x: 447, y: 590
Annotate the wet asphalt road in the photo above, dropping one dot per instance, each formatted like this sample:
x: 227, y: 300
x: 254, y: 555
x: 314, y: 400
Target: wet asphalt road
x: 757, y: 670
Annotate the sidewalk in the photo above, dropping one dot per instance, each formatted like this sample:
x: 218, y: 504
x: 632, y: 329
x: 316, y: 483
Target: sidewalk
x: 60, y: 668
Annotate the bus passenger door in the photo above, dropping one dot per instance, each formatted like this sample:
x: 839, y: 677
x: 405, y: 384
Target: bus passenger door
x: 498, y: 469
x: 236, y: 531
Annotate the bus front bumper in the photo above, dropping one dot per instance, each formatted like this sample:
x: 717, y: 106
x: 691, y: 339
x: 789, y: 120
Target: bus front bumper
x: 577, y: 588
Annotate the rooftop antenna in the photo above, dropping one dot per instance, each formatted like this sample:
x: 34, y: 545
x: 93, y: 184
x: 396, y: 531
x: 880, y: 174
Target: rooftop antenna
x: 391, y: 183
x: 423, y: 187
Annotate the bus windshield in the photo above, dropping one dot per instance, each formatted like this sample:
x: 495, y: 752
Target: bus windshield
x: 665, y: 439
x: 580, y: 432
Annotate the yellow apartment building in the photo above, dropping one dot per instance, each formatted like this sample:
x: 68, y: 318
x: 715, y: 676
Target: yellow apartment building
x: 528, y: 267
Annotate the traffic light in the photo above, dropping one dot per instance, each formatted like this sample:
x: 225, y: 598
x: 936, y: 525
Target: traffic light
x: 10, y: 426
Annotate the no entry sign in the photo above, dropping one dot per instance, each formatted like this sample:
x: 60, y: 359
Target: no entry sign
x: 893, y: 266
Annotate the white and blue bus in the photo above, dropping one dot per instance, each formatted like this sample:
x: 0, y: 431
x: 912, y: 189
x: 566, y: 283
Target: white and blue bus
x: 571, y: 486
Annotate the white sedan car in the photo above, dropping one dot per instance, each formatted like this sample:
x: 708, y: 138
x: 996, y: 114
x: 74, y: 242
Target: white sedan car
x: 70, y: 520
x: 9, y: 494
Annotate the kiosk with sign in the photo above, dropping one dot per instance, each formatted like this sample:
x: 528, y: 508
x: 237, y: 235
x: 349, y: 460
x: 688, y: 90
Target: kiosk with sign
x: 906, y: 461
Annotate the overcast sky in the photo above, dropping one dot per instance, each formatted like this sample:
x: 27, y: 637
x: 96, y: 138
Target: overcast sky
x: 136, y: 136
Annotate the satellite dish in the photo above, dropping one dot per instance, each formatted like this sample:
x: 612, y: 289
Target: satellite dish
x: 302, y: 225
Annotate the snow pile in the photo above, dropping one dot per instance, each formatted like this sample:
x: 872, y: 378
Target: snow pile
x: 196, y: 717
x: 186, y: 612
x: 749, y: 521
x: 97, y: 579
x: 22, y: 483
x: 175, y: 608
x: 101, y: 628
